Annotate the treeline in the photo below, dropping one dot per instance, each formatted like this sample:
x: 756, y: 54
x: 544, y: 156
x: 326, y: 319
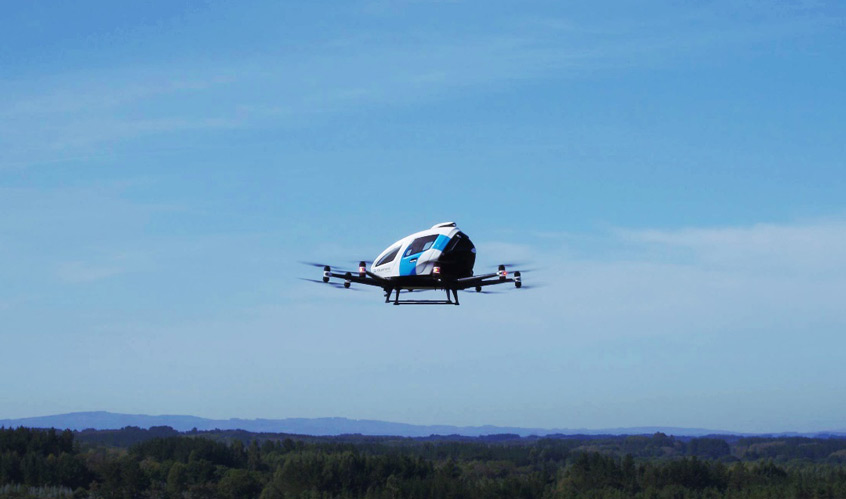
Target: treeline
x: 47, y: 463
x: 41, y: 458
x: 124, y: 437
x: 658, y: 445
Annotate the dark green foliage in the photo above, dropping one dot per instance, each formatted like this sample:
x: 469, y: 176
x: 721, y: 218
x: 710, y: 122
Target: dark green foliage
x: 708, y: 447
x: 784, y: 449
x: 126, y: 436
x: 41, y: 458
x: 238, y: 483
x: 188, y: 449
x: 226, y: 464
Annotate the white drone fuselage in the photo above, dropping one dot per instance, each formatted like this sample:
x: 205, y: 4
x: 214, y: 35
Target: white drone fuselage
x: 441, y: 250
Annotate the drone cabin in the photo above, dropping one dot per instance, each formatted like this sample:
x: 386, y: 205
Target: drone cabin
x: 442, y: 250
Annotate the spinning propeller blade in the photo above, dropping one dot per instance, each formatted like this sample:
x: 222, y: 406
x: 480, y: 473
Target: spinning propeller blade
x: 315, y: 264
x: 533, y: 286
x: 333, y: 284
x: 512, y: 267
x: 322, y: 265
x: 513, y: 264
x: 520, y: 267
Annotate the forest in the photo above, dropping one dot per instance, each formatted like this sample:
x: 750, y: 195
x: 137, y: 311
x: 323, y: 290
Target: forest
x: 163, y: 463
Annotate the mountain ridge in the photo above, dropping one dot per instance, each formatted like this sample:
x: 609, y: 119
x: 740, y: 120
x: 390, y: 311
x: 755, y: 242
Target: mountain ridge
x: 326, y: 426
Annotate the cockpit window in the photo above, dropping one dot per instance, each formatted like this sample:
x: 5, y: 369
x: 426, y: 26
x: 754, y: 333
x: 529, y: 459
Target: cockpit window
x: 420, y: 244
x: 389, y: 257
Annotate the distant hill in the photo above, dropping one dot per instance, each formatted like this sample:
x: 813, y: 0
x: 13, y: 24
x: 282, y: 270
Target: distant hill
x: 102, y: 420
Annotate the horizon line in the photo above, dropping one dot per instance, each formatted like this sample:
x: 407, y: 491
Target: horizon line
x: 548, y: 430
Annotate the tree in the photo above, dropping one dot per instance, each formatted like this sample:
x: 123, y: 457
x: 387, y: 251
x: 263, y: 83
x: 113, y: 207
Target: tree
x: 254, y: 456
x: 177, y: 479
x: 239, y: 484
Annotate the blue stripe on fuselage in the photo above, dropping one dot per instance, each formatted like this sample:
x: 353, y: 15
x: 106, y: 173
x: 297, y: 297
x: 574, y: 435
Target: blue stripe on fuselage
x: 407, y: 267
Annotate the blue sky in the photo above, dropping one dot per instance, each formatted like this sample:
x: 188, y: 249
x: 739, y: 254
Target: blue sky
x: 676, y: 168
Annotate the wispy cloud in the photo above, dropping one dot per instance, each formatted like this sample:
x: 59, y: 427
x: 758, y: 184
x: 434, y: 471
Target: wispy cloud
x: 82, y: 272
x: 75, y: 114
x: 802, y: 248
x: 779, y: 278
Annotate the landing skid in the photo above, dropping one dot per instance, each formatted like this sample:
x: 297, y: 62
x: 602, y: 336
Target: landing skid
x: 397, y: 301
x: 424, y: 302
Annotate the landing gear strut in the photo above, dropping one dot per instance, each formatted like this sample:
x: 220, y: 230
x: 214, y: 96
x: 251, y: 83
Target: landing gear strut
x: 390, y: 297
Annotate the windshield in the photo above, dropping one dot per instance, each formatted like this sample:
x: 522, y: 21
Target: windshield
x: 389, y: 257
x: 420, y: 244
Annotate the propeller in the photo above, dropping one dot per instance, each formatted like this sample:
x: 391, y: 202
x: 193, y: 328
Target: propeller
x: 315, y: 264
x: 513, y: 264
x: 333, y: 284
x: 517, y: 266
x: 533, y: 286
x: 322, y: 265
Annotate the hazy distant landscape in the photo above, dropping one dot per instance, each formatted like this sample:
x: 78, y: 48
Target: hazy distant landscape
x: 102, y: 420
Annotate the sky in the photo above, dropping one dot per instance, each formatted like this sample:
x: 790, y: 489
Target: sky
x: 674, y: 171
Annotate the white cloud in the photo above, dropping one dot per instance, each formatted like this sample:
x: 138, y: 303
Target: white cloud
x: 797, y: 248
x: 81, y: 272
x: 774, y: 279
